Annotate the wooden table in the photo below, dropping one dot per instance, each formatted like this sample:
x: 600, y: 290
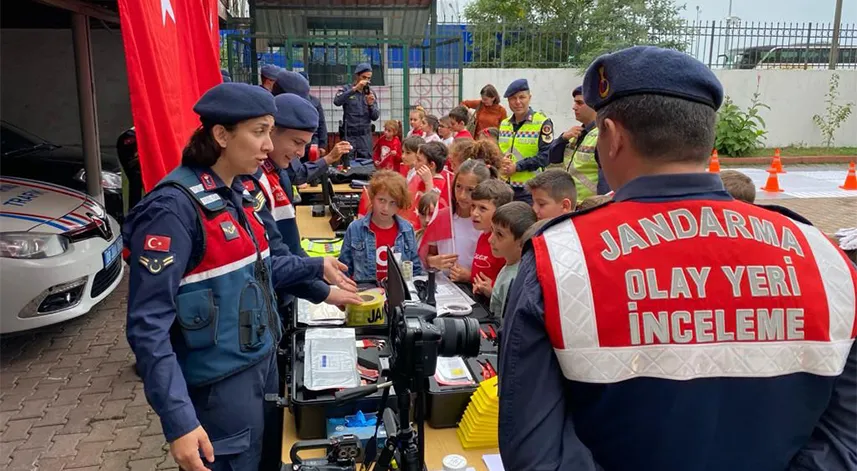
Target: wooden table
x: 337, y: 188
x: 439, y: 443
x: 313, y: 227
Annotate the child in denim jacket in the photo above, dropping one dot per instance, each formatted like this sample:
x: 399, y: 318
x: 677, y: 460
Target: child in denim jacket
x: 364, y: 248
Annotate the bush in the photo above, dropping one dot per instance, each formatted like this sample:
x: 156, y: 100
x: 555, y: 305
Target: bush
x: 740, y: 132
x: 834, y: 115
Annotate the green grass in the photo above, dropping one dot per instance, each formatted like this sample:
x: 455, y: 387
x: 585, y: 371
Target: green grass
x: 805, y: 151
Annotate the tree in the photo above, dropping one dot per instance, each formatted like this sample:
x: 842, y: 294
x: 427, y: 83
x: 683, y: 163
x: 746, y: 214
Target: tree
x: 567, y: 33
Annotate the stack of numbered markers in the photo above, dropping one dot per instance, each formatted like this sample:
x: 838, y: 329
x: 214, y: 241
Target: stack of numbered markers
x: 478, y: 428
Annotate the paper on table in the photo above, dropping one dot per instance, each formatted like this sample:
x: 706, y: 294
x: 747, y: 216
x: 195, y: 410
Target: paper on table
x: 493, y: 462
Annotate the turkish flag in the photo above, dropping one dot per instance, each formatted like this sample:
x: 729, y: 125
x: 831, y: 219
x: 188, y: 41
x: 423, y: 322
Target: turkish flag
x: 172, y: 56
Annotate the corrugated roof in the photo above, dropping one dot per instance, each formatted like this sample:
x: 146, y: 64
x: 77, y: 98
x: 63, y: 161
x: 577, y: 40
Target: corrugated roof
x: 325, y: 4
x: 293, y: 23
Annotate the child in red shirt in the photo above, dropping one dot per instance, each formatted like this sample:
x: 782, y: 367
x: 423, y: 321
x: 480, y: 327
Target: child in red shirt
x: 459, y: 116
x: 388, y: 149
x: 431, y: 174
x: 486, y: 198
x: 415, y: 119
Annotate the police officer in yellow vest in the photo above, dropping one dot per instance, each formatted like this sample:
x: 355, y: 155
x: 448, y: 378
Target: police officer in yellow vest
x: 525, y: 138
x: 575, y: 151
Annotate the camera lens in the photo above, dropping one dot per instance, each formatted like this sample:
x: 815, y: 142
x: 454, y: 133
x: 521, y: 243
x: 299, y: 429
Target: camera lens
x: 458, y: 336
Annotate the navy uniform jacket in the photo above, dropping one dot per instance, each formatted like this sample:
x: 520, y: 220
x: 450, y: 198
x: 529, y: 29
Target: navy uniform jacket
x: 320, y: 136
x: 315, y: 291
x: 169, y: 212
x: 546, y: 421
x: 357, y: 116
x: 303, y: 172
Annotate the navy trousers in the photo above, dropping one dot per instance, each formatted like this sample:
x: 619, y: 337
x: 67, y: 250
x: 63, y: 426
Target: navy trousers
x: 233, y: 413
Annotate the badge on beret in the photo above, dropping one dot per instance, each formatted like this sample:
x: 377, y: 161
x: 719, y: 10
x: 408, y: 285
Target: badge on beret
x: 547, y: 134
x: 603, y: 83
x: 156, y: 265
x: 229, y: 230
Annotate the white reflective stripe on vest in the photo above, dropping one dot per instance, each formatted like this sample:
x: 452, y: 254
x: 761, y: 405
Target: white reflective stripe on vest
x: 571, y: 321
x: 223, y: 270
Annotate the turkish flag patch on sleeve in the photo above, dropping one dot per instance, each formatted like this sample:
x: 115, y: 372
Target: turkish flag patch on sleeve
x: 157, y: 243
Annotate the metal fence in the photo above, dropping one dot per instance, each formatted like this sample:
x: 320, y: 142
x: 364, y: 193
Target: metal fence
x: 719, y: 44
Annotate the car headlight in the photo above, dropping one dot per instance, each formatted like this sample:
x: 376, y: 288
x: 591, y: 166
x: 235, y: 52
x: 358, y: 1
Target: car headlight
x: 109, y: 180
x: 31, y: 245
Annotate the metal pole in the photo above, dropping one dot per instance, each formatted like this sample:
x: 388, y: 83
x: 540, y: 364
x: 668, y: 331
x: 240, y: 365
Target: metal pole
x: 433, y: 38
x: 834, y: 44
x: 86, y: 105
x: 254, y: 59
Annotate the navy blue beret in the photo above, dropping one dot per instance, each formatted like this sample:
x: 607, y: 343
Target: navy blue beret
x: 225, y: 74
x: 517, y: 86
x: 231, y: 102
x: 363, y: 67
x: 270, y: 71
x: 577, y: 91
x: 293, y: 82
x: 650, y: 70
x: 294, y: 112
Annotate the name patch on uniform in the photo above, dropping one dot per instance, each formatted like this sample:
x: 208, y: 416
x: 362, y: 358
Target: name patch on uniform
x: 208, y: 181
x: 196, y: 188
x: 157, y: 243
x: 229, y: 230
x: 209, y: 199
x: 156, y: 265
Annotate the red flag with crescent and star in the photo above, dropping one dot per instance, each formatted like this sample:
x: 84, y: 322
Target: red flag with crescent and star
x: 172, y: 55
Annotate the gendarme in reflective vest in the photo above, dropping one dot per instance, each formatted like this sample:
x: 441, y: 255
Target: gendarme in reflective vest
x: 694, y: 289
x: 522, y: 144
x: 579, y: 161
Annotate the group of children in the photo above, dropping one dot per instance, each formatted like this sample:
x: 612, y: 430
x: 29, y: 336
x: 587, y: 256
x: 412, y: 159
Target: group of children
x: 438, y: 201
x: 389, y: 150
x: 447, y: 209
x: 465, y: 220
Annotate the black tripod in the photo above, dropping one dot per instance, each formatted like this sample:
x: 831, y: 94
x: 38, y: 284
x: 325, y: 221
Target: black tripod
x: 401, y: 436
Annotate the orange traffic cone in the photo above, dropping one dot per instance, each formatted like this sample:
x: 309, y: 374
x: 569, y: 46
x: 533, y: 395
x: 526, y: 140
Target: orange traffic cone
x: 851, y: 179
x: 776, y: 163
x: 714, y: 162
x: 773, y: 183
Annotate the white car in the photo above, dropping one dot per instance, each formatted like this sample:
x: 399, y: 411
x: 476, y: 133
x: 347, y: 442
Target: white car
x: 59, y: 254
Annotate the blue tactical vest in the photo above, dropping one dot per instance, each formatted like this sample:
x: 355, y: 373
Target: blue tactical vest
x: 225, y: 315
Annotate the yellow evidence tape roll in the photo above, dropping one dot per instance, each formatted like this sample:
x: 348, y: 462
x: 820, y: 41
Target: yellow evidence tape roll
x: 369, y: 312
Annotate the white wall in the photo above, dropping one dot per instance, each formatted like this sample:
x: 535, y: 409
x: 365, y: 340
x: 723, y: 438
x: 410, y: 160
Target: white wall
x: 38, y: 87
x: 793, y: 95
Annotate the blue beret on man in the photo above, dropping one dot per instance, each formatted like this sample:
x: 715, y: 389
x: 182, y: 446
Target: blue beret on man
x: 270, y: 71
x: 649, y: 70
x: 577, y: 91
x: 516, y: 86
x: 294, y: 112
x: 362, y: 67
x: 293, y: 82
x: 232, y: 102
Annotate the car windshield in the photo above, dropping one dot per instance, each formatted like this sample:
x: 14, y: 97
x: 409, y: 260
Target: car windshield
x: 14, y: 140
